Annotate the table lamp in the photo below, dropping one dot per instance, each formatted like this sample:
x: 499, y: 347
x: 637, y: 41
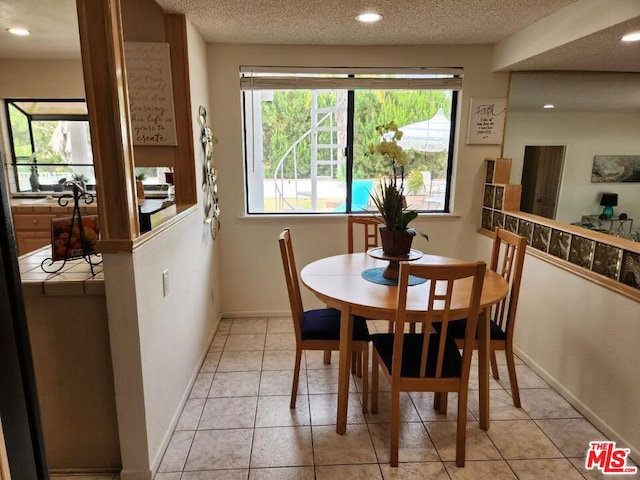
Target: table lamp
x: 608, y: 201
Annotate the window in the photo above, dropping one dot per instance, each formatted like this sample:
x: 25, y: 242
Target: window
x: 50, y: 143
x: 307, y: 132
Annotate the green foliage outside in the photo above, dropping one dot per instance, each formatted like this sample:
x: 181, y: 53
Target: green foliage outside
x: 287, y: 117
x: 42, y: 133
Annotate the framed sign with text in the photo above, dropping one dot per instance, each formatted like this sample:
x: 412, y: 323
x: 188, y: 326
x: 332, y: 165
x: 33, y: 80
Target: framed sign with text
x: 486, y: 121
x: 150, y: 93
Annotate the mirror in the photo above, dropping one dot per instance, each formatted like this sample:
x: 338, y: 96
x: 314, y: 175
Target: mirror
x: 595, y: 114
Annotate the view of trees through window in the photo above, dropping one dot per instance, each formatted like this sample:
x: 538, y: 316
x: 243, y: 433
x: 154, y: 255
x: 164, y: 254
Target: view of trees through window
x: 51, y: 144
x: 49, y: 147
x: 300, y: 165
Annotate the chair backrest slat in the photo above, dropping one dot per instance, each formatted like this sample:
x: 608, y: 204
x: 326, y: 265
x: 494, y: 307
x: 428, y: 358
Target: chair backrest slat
x: 512, y: 247
x: 291, y: 277
x: 443, y: 280
x: 370, y: 225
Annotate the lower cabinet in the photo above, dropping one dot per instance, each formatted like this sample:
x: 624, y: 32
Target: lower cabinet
x: 32, y: 231
x: 33, y: 224
x: 71, y: 353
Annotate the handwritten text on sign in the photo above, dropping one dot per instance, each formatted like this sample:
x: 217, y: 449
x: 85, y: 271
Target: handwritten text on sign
x: 486, y: 120
x: 150, y: 93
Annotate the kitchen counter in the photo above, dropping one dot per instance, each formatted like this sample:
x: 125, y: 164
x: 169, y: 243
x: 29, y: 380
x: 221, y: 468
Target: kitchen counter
x: 32, y: 220
x: 47, y: 205
x: 75, y: 278
x: 69, y: 336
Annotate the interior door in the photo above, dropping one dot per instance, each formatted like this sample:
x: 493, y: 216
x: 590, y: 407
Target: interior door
x: 541, y: 175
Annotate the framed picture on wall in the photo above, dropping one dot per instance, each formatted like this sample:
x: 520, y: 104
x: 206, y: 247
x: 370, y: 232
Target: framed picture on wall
x: 486, y: 121
x: 615, y: 169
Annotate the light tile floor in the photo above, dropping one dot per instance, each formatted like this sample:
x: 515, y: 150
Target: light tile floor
x: 237, y: 423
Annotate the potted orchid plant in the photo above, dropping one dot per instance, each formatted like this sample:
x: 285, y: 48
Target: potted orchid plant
x: 389, y: 198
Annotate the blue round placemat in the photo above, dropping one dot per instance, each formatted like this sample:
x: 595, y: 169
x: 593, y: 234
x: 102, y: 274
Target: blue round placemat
x: 374, y: 275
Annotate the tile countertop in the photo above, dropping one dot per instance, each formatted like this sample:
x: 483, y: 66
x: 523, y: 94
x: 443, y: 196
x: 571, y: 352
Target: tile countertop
x: 74, y: 278
x: 49, y: 205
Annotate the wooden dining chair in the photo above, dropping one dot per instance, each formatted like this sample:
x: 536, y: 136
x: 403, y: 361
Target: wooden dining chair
x: 431, y: 361
x: 371, y: 235
x: 371, y: 239
x: 507, y: 259
x: 318, y: 329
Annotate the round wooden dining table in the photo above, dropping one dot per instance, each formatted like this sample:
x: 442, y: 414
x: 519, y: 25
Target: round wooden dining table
x: 338, y: 282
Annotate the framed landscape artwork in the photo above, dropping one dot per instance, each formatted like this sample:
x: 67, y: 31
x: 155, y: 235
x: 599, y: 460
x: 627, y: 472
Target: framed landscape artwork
x: 615, y: 169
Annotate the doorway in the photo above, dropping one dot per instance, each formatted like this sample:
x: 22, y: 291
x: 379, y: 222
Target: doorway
x: 541, y: 175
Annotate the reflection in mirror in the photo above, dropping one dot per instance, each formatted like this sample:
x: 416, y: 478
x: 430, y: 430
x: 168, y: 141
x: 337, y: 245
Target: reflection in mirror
x: 594, y: 114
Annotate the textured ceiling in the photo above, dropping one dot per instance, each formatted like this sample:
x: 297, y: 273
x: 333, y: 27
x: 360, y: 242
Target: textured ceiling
x: 332, y: 22
x: 599, y: 51
x: 53, y: 24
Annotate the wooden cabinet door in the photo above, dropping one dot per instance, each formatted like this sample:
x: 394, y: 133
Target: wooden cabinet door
x: 30, y: 241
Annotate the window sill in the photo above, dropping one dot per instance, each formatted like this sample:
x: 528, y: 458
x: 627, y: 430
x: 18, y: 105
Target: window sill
x: 332, y: 216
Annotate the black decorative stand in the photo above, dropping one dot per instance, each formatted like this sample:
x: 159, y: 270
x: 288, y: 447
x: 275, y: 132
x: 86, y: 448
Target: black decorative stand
x: 78, y: 195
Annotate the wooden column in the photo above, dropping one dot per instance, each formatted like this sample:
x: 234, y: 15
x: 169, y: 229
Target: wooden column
x: 101, y: 43
x: 175, y: 27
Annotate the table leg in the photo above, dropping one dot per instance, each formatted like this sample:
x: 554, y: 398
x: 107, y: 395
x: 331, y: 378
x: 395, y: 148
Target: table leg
x: 483, y: 367
x: 344, y: 369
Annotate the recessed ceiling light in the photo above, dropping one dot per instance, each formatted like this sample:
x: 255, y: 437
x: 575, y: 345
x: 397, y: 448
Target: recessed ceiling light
x: 18, y: 31
x: 631, y: 37
x: 369, y: 17
x: 549, y: 105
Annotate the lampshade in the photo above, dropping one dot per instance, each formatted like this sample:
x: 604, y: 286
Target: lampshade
x: 609, y: 200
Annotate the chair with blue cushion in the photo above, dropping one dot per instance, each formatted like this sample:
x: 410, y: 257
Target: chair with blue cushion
x: 431, y: 361
x: 318, y: 329
x: 507, y: 259
x: 371, y: 238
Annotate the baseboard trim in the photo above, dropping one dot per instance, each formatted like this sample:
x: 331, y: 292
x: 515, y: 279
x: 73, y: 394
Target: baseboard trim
x: 589, y: 414
x: 136, y: 475
x: 257, y: 314
x: 155, y: 464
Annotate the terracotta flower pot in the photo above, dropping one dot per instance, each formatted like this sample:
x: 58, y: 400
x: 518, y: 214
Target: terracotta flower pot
x: 396, y: 243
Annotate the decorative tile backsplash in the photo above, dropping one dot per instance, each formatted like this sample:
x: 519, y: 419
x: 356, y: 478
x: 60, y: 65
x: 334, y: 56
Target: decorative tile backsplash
x: 540, y: 239
x: 606, y: 260
x: 581, y: 251
x: 511, y: 223
x: 630, y: 270
x: 610, y: 261
x: 525, y: 229
x: 559, y: 244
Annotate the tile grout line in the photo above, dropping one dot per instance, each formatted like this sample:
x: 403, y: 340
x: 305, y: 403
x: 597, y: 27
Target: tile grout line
x: 368, y: 423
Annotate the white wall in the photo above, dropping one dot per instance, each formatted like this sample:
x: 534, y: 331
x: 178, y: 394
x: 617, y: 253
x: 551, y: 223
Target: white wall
x: 159, y: 342
x: 41, y: 79
x: 35, y: 79
x: 584, y: 134
x: 582, y: 339
x: 253, y: 281
x: 175, y: 331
